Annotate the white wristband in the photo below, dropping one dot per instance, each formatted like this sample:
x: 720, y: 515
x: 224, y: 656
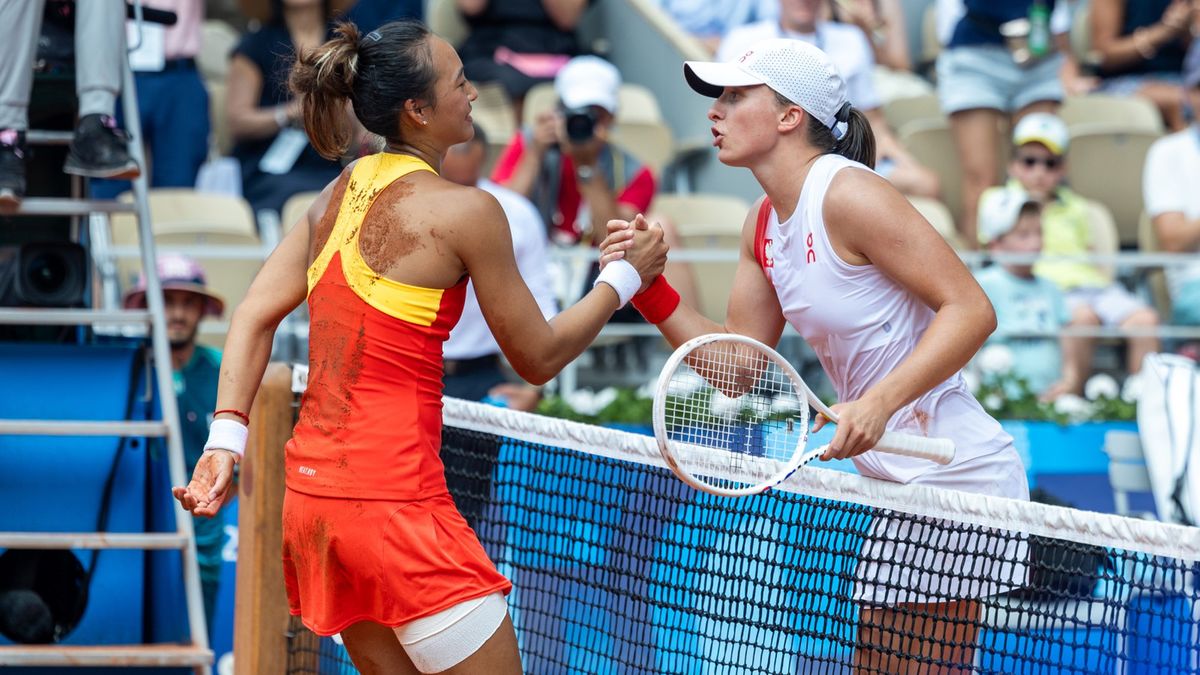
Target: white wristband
x: 623, y: 277
x: 228, y: 435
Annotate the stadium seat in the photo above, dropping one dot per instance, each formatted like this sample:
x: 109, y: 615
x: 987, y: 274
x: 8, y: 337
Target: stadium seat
x: 1155, y: 277
x: 1106, y: 165
x: 221, y: 141
x: 1130, y: 112
x: 939, y: 216
x: 901, y: 111
x: 295, y: 208
x: 217, y: 230
x: 216, y: 43
x: 708, y: 222
x: 446, y: 21
x: 493, y: 112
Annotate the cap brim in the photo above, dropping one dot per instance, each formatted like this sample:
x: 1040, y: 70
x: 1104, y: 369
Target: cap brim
x: 1051, y: 144
x: 710, y: 78
x: 214, y: 304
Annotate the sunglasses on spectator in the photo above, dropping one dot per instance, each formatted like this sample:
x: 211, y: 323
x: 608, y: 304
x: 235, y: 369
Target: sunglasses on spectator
x: 1051, y: 163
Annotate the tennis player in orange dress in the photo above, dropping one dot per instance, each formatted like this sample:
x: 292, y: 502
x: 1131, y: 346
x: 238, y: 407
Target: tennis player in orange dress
x: 374, y: 547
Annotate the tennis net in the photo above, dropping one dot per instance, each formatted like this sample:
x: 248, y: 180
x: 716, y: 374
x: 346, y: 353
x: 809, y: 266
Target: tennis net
x: 617, y: 566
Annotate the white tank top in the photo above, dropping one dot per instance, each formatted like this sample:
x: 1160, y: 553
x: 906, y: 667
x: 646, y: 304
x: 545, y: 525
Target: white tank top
x: 862, y: 325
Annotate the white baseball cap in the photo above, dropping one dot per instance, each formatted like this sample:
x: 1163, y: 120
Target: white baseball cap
x: 1045, y: 128
x: 999, y: 209
x: 798, y: 70
x: 588, y: 80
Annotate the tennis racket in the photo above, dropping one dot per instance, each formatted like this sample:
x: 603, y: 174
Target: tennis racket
x: 731, y: 417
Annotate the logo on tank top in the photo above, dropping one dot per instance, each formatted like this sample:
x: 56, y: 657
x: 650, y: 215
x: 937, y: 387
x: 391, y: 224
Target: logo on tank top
x: 768, y: 257
x: 811, y: 257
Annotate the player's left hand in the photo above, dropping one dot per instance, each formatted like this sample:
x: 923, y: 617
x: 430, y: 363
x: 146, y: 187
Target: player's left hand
x: 860, y: 425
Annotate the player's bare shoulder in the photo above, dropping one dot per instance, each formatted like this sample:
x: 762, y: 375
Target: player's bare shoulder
x: 465, y: 209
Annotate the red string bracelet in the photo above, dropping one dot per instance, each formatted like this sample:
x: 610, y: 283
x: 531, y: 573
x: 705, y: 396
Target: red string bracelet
x: 658, y: 301
x: 240, y: 415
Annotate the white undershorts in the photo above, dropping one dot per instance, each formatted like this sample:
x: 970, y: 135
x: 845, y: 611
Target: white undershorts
x: 443, y: 640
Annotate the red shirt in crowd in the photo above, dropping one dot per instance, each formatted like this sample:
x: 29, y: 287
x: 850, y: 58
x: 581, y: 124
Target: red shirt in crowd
x: 636, y: 193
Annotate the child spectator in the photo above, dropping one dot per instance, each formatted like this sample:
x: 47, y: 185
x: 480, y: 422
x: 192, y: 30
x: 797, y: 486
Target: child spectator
x: 1010, y: 221
x: 1039, y: 165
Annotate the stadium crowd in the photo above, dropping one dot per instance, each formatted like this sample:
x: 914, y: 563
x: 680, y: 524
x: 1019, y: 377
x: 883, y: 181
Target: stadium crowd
x: 974, y: 120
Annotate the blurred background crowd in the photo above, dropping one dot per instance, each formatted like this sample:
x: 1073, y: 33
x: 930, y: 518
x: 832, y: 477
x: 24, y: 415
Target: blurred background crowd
x: 1053, y: 143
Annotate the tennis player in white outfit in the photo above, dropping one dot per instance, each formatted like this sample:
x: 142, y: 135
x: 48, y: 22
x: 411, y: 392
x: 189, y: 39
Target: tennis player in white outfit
x: 892, y: 314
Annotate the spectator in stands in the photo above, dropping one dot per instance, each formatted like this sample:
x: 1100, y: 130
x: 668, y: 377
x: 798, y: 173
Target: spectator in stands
x: 984, y: 81
x: 471, y: 360
x: 851, y: 53
x: 575, y: 177
x: 1171, y: 187
x: 1039, y: 165
x: 471, y: 355
x: 1010, y: 222
x: 276, y: 158
x: 710, y: 20
x: 188, y: 300
x: 882, y: 23
x: 99, y: 148
x: 519, y: 43
x: 172, y: 100
x: 1141, y: 47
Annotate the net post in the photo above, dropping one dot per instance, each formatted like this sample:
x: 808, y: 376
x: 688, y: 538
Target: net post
x: 261, y: 616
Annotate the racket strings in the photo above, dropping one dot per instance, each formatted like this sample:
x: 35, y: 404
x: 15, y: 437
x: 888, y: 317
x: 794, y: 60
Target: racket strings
x: 733, y: 417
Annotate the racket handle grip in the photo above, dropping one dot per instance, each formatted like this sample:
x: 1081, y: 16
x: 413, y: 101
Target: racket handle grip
x: 939, y: 450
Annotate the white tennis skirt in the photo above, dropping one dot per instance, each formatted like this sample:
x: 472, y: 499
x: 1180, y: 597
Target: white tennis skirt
x: 907, y: 559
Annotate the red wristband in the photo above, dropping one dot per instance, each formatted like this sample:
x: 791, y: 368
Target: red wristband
x: 238, y: 413
x: 658, y: 301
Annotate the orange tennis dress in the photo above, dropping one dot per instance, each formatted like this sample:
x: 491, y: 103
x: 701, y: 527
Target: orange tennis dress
x: 370, y: 531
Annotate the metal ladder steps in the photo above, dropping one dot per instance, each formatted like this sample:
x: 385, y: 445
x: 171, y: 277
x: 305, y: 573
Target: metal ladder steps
x: 71, y: 317
x: 144, y: 656
x: 158, y: 541
x: 82, y: 428
x: 64, y: 206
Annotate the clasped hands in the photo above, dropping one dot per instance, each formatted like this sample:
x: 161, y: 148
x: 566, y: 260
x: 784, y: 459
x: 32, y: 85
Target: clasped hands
x: 639, y: 242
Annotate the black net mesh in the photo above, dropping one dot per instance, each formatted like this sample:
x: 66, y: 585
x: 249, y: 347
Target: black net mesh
x: 618, y: 566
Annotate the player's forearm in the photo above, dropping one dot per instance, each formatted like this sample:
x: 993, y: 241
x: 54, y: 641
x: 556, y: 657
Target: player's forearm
x: 953, y: 337
x: 244, y: 360
x: 546, y: 352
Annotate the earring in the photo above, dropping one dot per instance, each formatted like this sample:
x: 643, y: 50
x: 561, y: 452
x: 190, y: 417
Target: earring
x: 424, y: 121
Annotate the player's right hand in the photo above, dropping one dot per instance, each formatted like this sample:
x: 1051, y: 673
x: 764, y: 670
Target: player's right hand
x: 647, y: 251
x: 211, y: 484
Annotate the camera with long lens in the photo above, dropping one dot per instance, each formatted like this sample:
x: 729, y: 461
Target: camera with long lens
x: 581, y: 124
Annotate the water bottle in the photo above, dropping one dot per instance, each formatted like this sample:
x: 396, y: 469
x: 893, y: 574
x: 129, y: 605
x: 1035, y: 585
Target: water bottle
x: 1039, y: 29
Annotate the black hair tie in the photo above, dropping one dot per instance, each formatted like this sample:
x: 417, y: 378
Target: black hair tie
x: 843, y: 113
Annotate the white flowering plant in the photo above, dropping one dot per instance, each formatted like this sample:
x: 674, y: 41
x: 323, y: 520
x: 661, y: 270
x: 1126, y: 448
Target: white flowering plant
x: 1007, y: 395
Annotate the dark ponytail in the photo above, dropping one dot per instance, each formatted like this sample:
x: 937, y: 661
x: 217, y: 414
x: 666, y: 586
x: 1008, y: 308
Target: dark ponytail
x: 376, y: 72
x: 858, y: 143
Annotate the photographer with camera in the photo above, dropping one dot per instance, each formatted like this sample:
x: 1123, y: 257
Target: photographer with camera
x: 575, y: 177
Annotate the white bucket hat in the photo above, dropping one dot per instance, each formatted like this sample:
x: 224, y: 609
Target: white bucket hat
x: 799, y: 71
